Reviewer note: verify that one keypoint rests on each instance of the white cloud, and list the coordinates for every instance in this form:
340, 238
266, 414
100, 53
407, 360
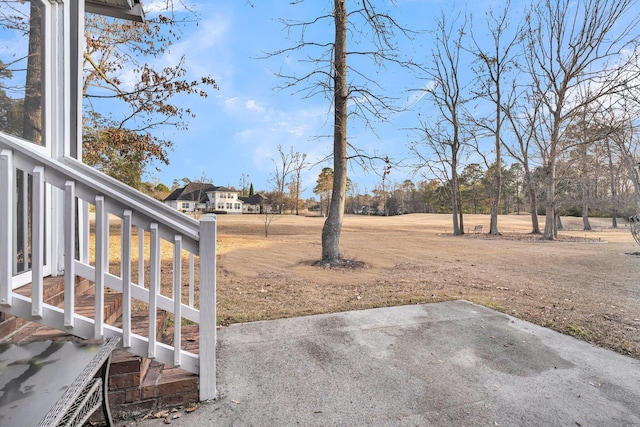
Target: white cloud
297, 130
416, 96
153, 6
230, 103
245, 135
252, 105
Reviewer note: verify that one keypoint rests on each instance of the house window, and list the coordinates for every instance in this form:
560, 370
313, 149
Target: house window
229, 206
220, 205
185, 205
237, 205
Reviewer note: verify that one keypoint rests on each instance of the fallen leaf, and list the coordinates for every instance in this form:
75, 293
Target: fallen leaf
191, 409
237, 402
178, 415
161, 414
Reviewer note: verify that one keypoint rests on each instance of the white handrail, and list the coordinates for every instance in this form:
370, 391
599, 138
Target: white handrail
90, 182
113, 199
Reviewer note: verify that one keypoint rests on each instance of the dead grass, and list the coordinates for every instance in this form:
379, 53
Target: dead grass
585, 284
166, 256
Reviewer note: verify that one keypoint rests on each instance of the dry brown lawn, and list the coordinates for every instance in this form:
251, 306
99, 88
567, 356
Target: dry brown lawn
586, 284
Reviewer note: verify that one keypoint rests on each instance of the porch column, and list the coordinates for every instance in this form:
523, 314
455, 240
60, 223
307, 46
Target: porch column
6, 225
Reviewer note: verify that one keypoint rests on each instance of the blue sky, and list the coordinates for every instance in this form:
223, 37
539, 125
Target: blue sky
237, 128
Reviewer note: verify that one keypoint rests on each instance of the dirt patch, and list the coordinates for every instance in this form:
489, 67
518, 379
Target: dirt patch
584, 284
346, 264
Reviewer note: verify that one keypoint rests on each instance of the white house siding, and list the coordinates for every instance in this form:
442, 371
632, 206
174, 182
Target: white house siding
226, 201
250, 209
185, 205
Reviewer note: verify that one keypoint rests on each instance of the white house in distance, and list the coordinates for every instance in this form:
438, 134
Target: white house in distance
255, 204
222, 199
204, 197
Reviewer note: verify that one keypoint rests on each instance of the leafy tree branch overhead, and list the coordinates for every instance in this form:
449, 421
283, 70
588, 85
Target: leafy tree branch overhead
123, 68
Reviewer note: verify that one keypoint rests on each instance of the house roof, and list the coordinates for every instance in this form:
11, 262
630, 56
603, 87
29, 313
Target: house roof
256, 199
123, 9
222, 189
194, 191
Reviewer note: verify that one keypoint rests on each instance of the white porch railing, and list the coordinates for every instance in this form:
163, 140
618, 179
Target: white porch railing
166, 240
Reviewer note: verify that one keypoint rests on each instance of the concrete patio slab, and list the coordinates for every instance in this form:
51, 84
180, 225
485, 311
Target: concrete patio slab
444, 364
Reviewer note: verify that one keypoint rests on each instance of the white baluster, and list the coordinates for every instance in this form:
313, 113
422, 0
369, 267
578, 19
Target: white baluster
102, 264
177, 298
141, 257
154, 286
37, 242
125, 262
69, 251
191, 279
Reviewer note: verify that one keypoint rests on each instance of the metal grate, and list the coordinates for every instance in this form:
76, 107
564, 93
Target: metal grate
84, 395
81, 409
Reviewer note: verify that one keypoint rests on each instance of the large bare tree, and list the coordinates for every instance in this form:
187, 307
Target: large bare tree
284, 167
572, 44
354, 92
299, 163
522, 118
444, 135
495, 65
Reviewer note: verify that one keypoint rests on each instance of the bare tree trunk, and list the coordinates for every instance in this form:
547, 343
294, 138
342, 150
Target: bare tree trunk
584, 173
32, 120
495, 202
585, 209
333, 224
460, 214
550, 231
454, 202
549, 223
558, 221
586, 225
612, 184
497, 177
533, 201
